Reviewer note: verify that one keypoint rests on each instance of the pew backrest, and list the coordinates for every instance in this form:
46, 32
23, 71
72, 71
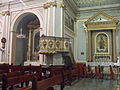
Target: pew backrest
46, 83
6, 81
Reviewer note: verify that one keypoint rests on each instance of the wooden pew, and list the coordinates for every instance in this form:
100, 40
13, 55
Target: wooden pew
85, 70
17, 68
4, 68
69, 75
10, 82
74, 74
80, 67
66, 77
46, 83
32, 69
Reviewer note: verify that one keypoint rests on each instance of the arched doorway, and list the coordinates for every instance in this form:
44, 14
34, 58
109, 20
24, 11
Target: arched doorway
26, 38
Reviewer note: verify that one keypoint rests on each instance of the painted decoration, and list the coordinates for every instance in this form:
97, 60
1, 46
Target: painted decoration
101, 43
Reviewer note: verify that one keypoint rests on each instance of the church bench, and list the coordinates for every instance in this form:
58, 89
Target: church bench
80, 68
56, 71
66, 73
66, 77
13, 68
11, 74
25, 88
46, 83
4, 68
10, 82
74, 73
32, 69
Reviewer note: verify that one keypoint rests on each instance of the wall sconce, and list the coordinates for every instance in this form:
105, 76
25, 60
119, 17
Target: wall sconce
3, 40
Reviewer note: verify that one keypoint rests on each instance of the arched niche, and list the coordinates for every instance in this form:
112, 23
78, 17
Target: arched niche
28, 25
101, 38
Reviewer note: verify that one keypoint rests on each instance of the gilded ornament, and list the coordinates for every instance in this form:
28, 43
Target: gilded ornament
66, 44
58, 44
63, 6
50, 44
49, 4
5, 13
44, 44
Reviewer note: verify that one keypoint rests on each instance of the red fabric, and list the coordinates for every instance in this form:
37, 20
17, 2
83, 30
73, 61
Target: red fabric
111, 73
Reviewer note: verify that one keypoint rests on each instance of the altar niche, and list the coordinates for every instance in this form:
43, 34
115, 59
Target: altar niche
26, 39
101, 38
101, 45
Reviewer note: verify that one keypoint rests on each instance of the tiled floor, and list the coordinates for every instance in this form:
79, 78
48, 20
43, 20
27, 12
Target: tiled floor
94, 84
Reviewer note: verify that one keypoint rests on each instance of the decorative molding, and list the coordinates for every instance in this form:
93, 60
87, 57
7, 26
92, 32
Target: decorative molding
100, 21
93, 22
62, 5
70, 4
96, 8
49, 4
5, 13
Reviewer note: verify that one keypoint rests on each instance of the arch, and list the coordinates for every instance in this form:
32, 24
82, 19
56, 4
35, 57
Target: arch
22, 14
15, 22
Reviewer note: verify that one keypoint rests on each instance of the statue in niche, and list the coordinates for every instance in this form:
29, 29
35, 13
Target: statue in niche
101, 43
36, 42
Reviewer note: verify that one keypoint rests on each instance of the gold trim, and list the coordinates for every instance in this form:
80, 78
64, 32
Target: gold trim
5, 13
100, 13
62, 5
49, 4
107, 42
92, 25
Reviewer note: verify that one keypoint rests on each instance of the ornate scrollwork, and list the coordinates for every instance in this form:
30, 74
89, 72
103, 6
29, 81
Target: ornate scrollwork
63, 6
50, 44
44, 44
49, 4
5, 13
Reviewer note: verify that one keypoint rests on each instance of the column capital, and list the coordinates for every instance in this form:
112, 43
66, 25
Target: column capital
5, 13
49, 4
62, 5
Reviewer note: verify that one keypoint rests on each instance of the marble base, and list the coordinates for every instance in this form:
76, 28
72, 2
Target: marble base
35, 63
100, 63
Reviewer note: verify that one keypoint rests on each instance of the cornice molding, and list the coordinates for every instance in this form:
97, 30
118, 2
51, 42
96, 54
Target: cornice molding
72, 5
104, 7
111, 23
12, 2
62, 5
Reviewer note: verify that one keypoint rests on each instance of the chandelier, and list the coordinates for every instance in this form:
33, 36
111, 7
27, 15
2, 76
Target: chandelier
21, 35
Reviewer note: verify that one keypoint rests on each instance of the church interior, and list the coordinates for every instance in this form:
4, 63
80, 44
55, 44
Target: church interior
60, 45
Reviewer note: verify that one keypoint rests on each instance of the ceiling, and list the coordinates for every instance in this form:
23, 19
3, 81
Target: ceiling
93, 3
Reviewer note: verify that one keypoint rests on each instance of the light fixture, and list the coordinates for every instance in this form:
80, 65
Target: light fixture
21, 35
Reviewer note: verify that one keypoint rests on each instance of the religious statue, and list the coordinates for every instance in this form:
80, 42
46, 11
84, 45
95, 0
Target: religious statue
101, 43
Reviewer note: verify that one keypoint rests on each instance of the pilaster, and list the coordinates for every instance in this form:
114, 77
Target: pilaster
54, 18
5, 33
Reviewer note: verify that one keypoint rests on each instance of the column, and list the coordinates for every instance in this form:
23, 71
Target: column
30, 43
89, 46
114, 46
59, 19
54, 18
5, 33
